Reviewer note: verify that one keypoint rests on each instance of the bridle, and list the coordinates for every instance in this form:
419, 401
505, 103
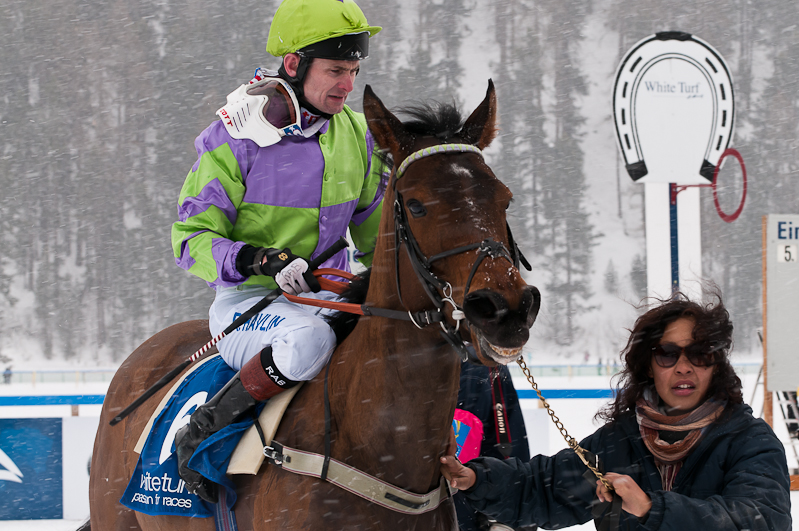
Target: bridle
439, 291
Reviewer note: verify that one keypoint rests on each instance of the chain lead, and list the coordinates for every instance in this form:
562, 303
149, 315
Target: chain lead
579, 450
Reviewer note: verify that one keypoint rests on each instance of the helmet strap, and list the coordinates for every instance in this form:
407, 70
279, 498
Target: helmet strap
296, 81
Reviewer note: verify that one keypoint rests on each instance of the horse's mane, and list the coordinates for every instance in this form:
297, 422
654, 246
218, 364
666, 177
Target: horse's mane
343, 323
442, 120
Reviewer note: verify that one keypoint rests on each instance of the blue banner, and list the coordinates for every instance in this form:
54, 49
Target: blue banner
30, 469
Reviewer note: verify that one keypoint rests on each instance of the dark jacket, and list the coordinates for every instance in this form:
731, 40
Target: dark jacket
474, 396
736, 478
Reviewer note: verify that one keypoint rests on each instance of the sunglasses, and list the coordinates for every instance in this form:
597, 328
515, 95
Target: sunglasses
667, 354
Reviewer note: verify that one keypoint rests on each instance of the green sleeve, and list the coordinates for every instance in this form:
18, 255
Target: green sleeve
366, 221
207, 209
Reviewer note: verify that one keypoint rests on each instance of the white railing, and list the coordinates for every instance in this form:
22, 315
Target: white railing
81, 376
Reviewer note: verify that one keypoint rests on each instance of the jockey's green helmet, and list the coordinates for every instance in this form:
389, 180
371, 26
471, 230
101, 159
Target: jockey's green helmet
330, 29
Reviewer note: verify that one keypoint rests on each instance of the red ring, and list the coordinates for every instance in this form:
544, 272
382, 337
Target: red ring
729, 218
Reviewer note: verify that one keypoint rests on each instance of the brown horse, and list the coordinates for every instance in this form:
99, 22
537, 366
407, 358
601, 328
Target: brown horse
392, 386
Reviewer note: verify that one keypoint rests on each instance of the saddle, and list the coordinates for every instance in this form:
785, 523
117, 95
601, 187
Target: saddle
240, 448
248, 456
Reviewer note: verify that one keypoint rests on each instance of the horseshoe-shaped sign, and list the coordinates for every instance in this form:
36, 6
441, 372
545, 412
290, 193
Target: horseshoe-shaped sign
674, 109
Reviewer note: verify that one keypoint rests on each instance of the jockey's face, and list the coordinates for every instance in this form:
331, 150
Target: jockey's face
327, 82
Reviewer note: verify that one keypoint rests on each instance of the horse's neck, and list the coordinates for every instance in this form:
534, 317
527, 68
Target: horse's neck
403, 382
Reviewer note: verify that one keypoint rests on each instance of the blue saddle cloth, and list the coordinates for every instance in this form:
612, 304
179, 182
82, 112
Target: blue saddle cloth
156, 487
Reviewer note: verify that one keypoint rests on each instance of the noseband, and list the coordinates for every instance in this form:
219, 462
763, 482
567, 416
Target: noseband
421, 264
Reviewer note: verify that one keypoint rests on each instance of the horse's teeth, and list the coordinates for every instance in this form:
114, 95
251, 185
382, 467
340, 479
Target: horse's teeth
507, 352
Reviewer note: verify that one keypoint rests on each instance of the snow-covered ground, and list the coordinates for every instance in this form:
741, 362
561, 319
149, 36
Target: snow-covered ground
576, 415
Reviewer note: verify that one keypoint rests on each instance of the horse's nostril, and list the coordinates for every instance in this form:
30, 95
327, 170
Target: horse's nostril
485, 306
531, 303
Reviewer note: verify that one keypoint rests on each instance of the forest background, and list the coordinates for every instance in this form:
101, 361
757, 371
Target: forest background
100, 103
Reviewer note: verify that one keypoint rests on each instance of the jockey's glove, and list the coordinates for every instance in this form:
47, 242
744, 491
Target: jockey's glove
289, 270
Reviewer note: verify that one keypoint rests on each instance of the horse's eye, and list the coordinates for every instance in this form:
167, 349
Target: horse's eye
416, 208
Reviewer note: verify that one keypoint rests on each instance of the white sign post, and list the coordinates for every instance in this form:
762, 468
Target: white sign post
674, 113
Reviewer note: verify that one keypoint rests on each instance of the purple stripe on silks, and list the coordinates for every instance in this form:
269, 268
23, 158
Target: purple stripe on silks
214, 136
288, 174
185, 261
225, 252
212, 194
363, 215
333, 221
297, 160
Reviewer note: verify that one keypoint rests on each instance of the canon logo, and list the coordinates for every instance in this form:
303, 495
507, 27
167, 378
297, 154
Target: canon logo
500, 418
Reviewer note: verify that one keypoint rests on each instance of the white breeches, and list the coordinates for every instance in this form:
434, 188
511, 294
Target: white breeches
302, 342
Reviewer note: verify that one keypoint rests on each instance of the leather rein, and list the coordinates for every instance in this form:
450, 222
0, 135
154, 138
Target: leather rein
438, 291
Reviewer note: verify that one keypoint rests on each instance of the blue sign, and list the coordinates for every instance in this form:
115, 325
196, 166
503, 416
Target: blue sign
30, 469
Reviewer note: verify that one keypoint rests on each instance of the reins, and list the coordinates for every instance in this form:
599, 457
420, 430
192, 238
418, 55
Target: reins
589, 459
438, 291
424, 316
421, 265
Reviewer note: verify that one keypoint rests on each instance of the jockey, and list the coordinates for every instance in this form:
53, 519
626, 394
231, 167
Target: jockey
281, 177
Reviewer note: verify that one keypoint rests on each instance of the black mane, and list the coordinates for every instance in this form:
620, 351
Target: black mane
442, 120
343, 323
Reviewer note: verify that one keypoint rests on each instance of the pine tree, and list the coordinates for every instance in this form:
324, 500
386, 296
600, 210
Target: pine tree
611, 279
638, 276
568, 236
433, 72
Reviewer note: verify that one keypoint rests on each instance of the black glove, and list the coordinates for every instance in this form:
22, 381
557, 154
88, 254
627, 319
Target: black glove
295, 280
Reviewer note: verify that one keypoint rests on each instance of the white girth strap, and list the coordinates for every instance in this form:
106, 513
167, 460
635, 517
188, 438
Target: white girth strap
359, 483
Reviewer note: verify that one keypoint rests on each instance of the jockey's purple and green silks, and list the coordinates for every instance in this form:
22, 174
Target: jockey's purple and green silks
300, 193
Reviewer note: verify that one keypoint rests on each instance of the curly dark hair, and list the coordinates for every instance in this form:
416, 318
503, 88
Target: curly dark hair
712, 325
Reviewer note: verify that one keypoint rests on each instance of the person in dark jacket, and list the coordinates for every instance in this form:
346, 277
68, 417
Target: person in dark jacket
482, 391
681, 449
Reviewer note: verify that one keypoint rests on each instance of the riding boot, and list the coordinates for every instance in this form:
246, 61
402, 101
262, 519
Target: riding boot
225, 408
257, 381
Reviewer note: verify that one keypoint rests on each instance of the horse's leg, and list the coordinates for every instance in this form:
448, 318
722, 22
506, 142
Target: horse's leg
107, 483
113, 453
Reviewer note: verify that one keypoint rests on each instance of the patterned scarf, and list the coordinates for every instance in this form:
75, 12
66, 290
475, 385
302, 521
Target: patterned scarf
670, 456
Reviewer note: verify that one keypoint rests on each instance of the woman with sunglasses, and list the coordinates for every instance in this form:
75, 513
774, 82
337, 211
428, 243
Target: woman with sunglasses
680, 448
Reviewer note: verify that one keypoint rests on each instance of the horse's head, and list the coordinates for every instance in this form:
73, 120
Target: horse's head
449, 216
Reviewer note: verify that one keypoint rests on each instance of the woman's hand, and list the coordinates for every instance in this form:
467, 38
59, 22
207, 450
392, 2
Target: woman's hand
460, 477
634, 500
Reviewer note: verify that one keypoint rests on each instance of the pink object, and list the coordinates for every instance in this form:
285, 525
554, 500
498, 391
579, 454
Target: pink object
468, 435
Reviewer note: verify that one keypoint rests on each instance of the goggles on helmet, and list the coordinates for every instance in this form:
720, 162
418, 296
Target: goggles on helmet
264, 111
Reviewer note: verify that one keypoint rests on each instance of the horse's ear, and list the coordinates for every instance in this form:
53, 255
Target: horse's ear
481, 127
387, 129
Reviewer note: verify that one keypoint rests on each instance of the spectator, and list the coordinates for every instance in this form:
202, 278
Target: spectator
483, 391
680, 447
